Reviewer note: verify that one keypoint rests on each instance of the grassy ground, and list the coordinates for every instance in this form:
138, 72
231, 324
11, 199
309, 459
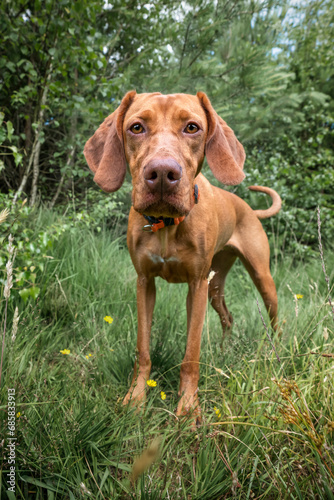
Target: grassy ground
271, 438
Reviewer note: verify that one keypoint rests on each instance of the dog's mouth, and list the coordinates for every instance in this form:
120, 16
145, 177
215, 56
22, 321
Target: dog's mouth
166, 206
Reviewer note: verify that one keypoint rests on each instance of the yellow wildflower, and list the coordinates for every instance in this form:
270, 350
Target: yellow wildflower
217, 412
65, 351
108, 319
299, 296
163, 395
151, 383
87, 357
90, 354
18, 414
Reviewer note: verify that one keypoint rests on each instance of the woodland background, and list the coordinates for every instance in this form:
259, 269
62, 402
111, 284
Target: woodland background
266, 65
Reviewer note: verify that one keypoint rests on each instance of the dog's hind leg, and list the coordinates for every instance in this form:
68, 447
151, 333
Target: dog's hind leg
221, 264
254, 253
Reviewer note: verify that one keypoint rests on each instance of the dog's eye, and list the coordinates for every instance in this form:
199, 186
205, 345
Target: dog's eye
191, 128
137, 128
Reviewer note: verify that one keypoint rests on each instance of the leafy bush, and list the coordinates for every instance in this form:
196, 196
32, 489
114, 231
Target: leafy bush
97, 209
300, 169
34, 238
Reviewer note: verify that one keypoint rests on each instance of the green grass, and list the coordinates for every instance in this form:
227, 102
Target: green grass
73, 428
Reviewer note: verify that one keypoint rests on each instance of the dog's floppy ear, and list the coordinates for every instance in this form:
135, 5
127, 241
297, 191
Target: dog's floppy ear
224, 153
104, 151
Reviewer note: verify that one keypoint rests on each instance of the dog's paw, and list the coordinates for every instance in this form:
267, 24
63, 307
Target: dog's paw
189, 408
136, 396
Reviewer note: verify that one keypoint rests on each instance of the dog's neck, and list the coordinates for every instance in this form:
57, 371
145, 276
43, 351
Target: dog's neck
156, 223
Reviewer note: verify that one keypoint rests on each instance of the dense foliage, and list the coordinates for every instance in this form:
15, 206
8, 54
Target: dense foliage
265, 65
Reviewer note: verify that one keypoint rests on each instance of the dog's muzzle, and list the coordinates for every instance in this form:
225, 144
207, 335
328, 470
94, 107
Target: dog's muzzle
162, 175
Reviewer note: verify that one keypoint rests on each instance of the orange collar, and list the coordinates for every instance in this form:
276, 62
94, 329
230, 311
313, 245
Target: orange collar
158, 223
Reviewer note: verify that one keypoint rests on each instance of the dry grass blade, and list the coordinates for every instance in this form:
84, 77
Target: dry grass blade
323, 262
91, 473
145, 460
3, 215
323, 354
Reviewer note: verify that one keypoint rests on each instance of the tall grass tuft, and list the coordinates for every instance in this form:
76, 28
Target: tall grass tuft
8, 285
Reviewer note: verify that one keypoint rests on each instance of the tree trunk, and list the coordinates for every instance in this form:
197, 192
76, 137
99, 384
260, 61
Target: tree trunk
36, 148
26, 173
38, 133
71, 153
69, 161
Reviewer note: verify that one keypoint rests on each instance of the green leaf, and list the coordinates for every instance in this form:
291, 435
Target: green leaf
78, 98
10, 130
18, 158
11, 66
34, 292
24, 294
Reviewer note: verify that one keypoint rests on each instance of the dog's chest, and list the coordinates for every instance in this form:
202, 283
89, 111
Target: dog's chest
171, 268
172, 253
175, 262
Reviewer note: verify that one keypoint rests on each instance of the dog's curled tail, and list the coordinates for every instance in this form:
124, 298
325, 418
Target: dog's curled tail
275, 207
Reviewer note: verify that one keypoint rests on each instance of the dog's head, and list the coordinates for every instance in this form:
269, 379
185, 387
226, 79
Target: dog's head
164, 139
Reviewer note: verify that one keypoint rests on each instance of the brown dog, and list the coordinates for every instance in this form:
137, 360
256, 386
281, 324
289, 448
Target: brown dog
190, 227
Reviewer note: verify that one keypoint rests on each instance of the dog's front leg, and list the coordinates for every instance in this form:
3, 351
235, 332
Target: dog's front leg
189, 376
142, 368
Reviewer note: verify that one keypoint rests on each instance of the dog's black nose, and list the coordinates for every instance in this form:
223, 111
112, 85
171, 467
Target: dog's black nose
162, 174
